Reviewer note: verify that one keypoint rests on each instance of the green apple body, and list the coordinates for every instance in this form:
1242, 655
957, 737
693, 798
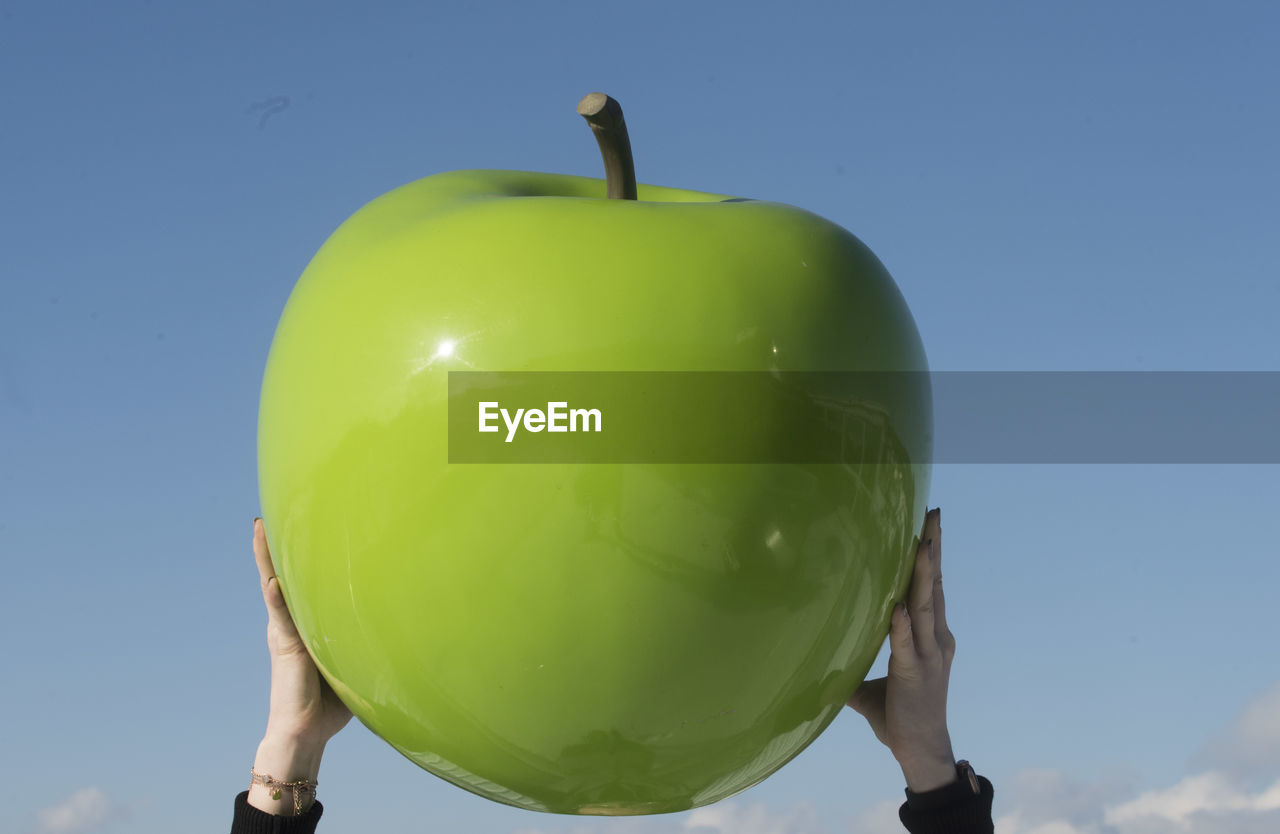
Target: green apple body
581, 638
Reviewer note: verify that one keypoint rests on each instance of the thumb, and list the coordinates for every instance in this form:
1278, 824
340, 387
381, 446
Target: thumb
868, 699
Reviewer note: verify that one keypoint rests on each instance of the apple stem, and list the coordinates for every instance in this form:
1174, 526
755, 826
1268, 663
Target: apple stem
604, 114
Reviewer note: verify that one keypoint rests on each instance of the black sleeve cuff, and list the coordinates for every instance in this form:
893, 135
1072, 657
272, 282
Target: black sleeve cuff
951, 809
251, 820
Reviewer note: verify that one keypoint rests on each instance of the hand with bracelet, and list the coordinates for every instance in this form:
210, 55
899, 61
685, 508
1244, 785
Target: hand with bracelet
305, 713
907, 709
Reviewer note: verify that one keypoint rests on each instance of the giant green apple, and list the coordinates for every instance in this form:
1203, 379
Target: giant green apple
581, 638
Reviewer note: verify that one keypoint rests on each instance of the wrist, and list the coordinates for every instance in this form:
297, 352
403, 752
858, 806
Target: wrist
930, 774
295, 757
285, 758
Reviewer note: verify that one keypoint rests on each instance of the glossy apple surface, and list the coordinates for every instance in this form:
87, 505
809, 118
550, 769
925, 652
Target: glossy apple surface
585, 638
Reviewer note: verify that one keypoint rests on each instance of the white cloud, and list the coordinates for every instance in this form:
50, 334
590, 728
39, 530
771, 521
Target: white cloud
1248, 749
79, 813
1059, 827
1013, 824
1206, 793
879, 818
730, 818
1043, 797
1048, 802
1234, 790
1043, 801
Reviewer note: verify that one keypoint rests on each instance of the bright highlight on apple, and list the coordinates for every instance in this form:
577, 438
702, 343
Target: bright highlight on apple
535, 419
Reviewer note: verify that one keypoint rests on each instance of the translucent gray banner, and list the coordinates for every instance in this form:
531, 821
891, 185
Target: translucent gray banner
866, 417
1107, 417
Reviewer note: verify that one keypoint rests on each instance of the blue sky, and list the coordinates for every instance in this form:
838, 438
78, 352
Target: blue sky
1088, 186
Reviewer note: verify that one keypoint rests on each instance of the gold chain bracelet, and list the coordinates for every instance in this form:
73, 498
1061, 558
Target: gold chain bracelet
300, 787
